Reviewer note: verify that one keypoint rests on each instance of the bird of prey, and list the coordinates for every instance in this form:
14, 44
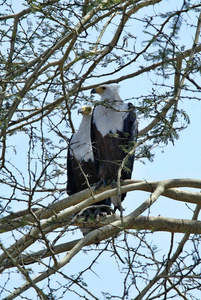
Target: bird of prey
80, 165
114, 131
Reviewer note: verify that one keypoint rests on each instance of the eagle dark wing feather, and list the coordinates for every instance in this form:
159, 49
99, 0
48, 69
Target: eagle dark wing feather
130, 130
77, 172
130, 123
71, 183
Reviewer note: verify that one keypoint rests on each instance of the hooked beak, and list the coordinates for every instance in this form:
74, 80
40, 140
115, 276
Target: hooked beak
80, 110
93, 91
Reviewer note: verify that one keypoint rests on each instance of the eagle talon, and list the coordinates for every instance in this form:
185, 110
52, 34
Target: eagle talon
95, 211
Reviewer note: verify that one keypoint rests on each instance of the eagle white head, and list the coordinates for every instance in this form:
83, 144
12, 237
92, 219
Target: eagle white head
108, 92
85, 110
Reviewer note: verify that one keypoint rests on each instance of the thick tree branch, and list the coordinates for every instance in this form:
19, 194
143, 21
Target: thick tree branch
153, 224
84, 198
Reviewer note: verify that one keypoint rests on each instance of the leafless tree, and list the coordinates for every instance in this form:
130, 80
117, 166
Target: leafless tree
52, 54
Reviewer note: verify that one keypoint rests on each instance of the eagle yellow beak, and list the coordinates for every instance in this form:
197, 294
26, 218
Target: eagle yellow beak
85, 110
98, 90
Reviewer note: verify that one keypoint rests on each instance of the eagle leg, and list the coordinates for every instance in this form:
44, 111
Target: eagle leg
119, 207
105, 182
98, 184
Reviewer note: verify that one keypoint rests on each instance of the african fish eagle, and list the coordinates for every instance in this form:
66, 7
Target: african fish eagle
80, 163
114, 130
80, 160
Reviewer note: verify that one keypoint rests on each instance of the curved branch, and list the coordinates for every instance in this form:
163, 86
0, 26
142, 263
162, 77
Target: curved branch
153, 224
171, 191
170, 262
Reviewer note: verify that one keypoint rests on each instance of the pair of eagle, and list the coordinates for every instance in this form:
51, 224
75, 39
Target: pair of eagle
106, 134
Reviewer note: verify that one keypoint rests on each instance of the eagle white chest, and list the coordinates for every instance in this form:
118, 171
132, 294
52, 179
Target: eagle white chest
110, 120
80, 145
